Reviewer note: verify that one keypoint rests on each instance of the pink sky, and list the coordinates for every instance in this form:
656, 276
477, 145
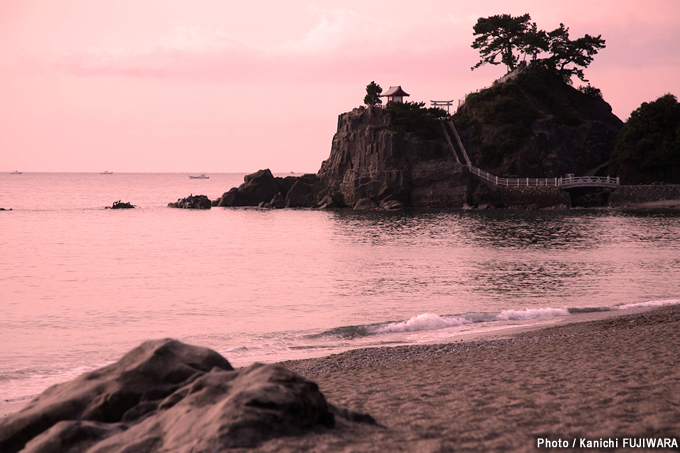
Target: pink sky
226, 86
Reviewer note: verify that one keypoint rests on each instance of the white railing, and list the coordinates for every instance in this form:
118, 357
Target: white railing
589, 181
515, 182
563, 183
567, 182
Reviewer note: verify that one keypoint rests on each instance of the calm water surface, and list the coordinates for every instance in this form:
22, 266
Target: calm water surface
81, 285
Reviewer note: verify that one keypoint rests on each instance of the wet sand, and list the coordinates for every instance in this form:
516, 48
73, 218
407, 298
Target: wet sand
614, 375
652, 206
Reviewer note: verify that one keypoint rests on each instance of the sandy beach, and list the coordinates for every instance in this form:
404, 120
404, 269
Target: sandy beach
615, 375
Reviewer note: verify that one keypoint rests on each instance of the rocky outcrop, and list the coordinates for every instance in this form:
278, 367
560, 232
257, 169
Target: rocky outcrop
265, 190
168, 396
120, 205
537, 126
370, 160
192, 202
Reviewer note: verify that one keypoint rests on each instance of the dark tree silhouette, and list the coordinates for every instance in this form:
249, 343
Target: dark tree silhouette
648, 147
500, 36
373, 91
510, 38
566, 52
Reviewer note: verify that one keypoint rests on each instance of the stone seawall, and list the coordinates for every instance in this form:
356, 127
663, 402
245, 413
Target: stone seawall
642, 194
542, 197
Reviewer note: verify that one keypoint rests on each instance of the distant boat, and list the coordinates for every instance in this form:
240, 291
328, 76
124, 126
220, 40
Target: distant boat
106, 173
203, 176
15, 172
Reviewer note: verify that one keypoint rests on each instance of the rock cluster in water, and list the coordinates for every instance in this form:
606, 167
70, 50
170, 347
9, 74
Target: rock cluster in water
168, 396
192, 202
120, 205
265, 190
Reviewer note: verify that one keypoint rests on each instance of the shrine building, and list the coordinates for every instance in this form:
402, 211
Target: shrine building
395, 94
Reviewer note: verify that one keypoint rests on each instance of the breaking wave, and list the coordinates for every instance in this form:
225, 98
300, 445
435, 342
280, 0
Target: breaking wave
426, 321
432, 321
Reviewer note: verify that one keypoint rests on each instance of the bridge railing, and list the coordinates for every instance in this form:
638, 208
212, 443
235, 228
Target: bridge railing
563, 183
589, 181
515, 182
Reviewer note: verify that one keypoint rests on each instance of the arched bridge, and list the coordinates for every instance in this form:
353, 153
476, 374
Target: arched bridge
567, 182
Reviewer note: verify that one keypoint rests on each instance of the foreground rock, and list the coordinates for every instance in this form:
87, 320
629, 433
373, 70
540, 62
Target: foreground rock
192, 202
168, 396
120, 205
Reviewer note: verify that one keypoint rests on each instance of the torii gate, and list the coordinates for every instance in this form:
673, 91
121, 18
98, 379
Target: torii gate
442, 104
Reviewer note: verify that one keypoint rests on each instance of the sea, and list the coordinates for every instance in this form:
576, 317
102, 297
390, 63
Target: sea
80, 285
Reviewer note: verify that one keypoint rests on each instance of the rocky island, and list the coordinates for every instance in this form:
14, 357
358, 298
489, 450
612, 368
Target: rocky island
403, 155
529, 124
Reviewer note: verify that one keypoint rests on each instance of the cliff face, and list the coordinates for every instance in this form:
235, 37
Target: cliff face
538, 126
368, 160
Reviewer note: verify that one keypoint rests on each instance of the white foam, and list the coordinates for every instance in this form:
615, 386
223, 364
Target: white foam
426, 321
531, 313
649, 303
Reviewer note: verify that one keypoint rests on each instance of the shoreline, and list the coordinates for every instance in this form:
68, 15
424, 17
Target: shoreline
470, 343
608, 377
467, 342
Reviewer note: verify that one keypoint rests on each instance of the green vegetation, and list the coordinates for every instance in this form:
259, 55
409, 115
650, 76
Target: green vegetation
648, 147
513, 107
510, 38
503, 105
373, 91
591, 91
414, 117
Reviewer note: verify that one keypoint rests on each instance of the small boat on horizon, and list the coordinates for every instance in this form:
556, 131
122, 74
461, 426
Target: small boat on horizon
15, 172
201, 176
106, 173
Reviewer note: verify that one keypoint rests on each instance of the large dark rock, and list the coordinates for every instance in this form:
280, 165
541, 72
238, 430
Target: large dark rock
168, 396
192, 202
370, 160
306, 191
257, 187
264, 189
